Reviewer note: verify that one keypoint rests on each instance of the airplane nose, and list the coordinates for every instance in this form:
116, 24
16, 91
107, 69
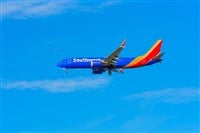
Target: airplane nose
60, 64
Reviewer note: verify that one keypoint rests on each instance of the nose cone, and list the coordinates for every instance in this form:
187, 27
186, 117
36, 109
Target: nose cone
61, 64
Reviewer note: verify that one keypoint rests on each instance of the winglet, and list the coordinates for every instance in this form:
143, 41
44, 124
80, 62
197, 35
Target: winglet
123, 43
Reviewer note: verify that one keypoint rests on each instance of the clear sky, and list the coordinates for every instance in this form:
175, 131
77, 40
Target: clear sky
37, 96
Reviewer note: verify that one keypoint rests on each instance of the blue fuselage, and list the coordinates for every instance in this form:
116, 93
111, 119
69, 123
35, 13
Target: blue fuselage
90, 62
95, 62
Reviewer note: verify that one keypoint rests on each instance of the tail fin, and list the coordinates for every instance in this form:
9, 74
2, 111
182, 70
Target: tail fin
154, 51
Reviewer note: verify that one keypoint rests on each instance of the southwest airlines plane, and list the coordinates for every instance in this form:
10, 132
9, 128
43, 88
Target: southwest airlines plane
113, 63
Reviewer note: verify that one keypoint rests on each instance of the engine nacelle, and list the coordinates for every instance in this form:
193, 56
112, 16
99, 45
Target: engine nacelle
97, 71
97, 67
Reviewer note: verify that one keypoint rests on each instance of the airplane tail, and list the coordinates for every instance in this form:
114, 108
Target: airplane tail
153, 54
154, 51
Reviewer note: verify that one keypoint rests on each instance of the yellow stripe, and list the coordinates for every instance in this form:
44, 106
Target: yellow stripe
135, 61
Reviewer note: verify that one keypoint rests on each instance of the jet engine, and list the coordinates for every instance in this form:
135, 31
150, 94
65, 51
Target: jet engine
97, 70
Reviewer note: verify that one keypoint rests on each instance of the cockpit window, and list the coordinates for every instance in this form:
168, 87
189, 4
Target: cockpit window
69, 61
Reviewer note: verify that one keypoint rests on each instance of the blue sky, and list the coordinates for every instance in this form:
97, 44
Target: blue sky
37, 96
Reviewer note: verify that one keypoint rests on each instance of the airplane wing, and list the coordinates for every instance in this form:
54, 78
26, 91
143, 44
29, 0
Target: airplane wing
111, 59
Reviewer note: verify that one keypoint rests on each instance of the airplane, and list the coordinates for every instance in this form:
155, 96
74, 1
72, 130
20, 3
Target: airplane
114, 63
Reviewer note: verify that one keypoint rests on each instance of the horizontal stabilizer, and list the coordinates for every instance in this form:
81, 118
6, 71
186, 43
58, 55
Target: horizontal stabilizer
159, 56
